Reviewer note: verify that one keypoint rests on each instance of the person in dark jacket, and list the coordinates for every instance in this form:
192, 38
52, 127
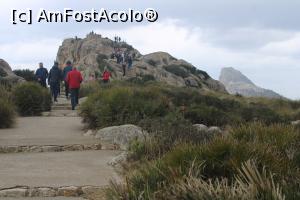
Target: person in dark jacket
130, 62
124, 68
74, 80
54, 79
41, 75
66, 70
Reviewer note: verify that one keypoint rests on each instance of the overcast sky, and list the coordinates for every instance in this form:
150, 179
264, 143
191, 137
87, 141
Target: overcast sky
259, 38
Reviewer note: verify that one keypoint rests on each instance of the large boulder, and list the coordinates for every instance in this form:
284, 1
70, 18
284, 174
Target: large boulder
201, 127
120, 135
93, 53
7, 75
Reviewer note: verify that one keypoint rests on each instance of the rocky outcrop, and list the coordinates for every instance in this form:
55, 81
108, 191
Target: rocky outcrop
7, 75
237, 83
93, 53
120, 135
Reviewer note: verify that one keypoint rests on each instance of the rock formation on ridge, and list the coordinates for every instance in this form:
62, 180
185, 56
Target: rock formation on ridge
93, 53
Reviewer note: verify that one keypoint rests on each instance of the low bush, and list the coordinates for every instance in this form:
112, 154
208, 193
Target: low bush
142, 79
191, 104
151, 62
122, 105
89, 88
177, 70
7, 114
7, 110
27, 74
221, 167
249, 184
164, 135
206, 115
31, 99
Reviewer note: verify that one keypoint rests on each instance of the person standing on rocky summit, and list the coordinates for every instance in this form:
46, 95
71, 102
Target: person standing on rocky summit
66, 70
74, 79
41, 75
54, 79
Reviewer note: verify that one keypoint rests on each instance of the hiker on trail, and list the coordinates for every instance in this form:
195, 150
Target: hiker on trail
119, 58
124, 68
66, 70
106, 75
129, 62
54, 79
41, 75
74, 79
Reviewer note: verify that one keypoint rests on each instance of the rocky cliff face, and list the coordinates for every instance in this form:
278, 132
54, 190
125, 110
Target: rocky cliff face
6, 74
237, 83
93, 53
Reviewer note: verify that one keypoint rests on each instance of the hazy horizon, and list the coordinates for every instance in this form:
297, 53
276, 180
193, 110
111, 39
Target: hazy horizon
260, 39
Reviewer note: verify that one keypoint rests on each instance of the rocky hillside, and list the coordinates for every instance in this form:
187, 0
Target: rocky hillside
237, 83
6, 74
93, 53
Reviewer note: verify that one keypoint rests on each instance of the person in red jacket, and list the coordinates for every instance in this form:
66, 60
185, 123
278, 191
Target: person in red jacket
74, 79
106, 76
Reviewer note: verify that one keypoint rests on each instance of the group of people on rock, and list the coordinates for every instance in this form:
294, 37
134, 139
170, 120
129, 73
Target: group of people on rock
71, 77
123, 58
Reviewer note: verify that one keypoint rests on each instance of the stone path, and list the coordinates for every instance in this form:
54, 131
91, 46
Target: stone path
48, 157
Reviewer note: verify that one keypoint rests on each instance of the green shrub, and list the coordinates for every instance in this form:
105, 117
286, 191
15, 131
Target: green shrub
257, 112
192, 170
47, 100
7, 111
202, 114
31, 99
280, 135
121, 105
250, 184
89, 88
194, 105
142, 79
177, 70
196, 71
164, 135
151, 62
7, 114
27, 74
101, 60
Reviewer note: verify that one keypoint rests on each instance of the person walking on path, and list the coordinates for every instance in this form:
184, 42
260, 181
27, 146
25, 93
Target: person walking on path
124, 68
54, 79
74, 79
41, 75
106, 76
66, 70
129, 62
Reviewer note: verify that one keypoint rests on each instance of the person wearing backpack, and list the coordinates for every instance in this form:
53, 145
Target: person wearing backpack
54, 79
